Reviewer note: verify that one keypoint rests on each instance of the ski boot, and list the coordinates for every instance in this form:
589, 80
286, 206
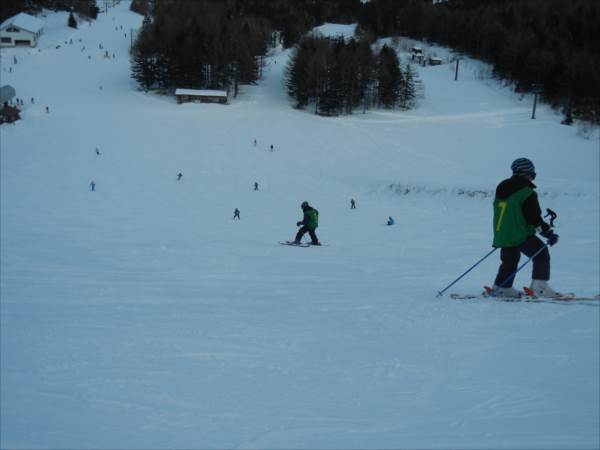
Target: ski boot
541, 289
506, 292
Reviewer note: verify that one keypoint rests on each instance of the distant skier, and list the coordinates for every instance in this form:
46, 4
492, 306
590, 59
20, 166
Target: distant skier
236, 214
552, 215
352, 204
309, 224
517, 218
255, 142
97, 151
179, 176
390, 221
93, 185
255, 186
271, 147
47, 110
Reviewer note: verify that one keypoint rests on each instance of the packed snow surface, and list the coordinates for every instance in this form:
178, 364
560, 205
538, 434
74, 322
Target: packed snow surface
140, 315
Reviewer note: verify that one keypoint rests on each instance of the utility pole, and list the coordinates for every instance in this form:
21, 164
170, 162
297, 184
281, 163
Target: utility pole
537, 88
456, 71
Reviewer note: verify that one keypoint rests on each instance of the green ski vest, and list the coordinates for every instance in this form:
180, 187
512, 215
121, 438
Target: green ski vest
510, 227
313, 223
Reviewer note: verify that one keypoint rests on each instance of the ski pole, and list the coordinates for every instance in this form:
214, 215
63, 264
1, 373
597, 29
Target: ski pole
512, 275
440, 293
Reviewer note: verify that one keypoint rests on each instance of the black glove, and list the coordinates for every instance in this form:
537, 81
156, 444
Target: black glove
551, 236
298, 224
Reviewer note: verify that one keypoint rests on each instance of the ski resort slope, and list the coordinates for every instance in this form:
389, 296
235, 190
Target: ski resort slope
141, 315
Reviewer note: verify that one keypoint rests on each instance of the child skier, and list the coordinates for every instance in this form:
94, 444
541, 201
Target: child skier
309, 223
517, 218
552, 215
236, 214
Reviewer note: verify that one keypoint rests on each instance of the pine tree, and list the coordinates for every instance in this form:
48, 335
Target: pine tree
408, 92
389, 77
72, 22
568, 112
143, 59
297, 77
333, 86
143, 69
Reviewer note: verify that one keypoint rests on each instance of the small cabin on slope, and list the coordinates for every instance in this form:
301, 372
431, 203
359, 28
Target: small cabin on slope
9, 114
21, 29
416, 53
201, 96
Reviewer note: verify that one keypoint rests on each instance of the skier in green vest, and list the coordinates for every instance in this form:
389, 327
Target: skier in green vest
309, 224
517, 218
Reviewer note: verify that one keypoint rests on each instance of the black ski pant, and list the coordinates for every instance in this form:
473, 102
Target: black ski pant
302, 231
510, 261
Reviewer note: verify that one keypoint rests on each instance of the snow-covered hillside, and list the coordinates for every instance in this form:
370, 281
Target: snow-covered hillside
141, 315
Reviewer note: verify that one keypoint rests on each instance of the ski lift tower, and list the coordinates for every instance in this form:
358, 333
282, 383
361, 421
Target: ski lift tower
537, 90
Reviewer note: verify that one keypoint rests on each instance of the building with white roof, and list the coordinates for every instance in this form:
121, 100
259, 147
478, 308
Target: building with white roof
201, 95
21, 29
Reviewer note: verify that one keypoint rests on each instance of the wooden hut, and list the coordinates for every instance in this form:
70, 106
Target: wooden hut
9, 114
201, 96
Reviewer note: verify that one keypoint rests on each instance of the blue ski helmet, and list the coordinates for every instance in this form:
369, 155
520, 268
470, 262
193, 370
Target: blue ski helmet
523, 167
304, 205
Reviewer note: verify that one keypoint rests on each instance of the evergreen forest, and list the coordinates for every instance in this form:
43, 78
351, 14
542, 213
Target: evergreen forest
551, 46
85, 8
339, 76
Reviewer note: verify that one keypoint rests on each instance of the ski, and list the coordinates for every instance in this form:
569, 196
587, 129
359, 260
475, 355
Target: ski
488, 295
527, 295
295, 244
302, 244
562, 297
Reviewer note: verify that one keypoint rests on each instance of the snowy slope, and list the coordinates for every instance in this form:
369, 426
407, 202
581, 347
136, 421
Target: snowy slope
141, 316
